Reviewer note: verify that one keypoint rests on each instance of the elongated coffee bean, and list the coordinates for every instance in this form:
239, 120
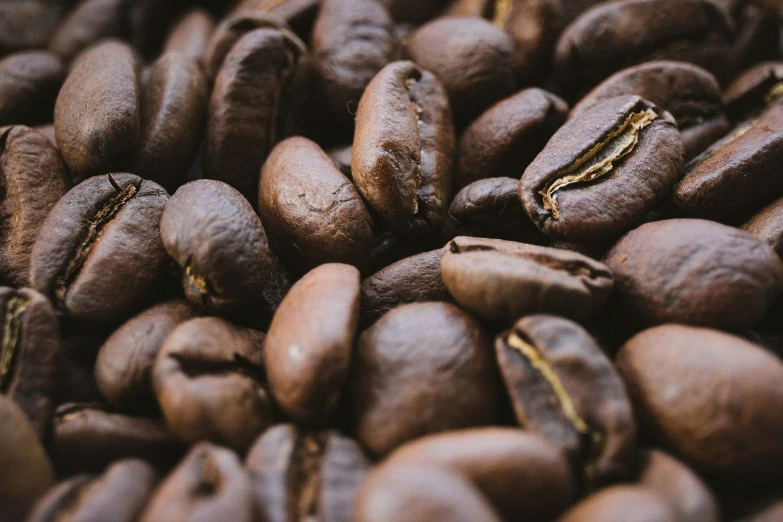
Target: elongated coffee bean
29, 83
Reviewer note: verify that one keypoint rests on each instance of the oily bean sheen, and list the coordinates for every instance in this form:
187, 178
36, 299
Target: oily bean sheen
716, 376
695, 272
627, 503
767, 225
99, 252
96, 117
563, 386
308, 347
603, 171
526, 477
509, 135
403, 150
313, 213
422, 368
754, 90
209, 484
213, 233
503, 280
691, 94
303, 475
29, 354
33, 177
29, 82
190, 34
119, 494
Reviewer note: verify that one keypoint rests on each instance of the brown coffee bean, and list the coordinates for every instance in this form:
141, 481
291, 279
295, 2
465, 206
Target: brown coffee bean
18, 33
299, 475
254, 95
694, 272
29, 82
767, 225
99, 252
472, 57
89, 22
209, 484
313, 213
691, 94
603, 171
507, 136
33, 178
27, 472
308, 347
299, 14
756, 32
503, 280
403, 151
120, 495
191, 34
627, 503
522, 474
124, 364
563, 386
689, 386
210, 383
755, 89
422, 368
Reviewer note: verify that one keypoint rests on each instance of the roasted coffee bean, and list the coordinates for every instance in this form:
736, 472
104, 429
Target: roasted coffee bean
28, 24
210, 383
308, 347
503, 280
29, 82
522, 474
422, 368
27, 472
756, 32
300, 475
29, 354
675, 482
695, 272
124, 365
767, 225
627, 503
472, 57
716, 376
313, 213
120, 495
691, 94
190, 34
89, 22
33, 177
754, 90
209, 484
299, 14
99, 252
491, 208
403, 151
88, 438
412, 492
603, 171
509, 135
255, 93
212, 232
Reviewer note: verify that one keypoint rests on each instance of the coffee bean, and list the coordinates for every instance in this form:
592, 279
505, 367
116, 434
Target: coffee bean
29, 82
754, 90
299, 14
767, 225
603, 171
18, 33
756, 32
190, 34
628, 503
89, 22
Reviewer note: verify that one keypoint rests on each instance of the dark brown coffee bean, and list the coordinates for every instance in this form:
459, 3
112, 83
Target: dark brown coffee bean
120, 495
503, 280
124, 364
717, 183
33, 178
403, 152
767, 225
29, 82
255, 94
29, 354
313, 213
301, 475
472, 57
627, 503
523, 475
89, 22
754, 90
691, 94
422, 368
563, 386
99, 252
190, 34
210, 383
507, 136
27, 472
96, 117
756, 32
603, 171
298, 14
308, 347
689, 386
694, 272
28, 24
209, 484
490, 207
675, 482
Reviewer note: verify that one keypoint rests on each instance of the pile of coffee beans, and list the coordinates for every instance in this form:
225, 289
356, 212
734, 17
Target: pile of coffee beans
391, 260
